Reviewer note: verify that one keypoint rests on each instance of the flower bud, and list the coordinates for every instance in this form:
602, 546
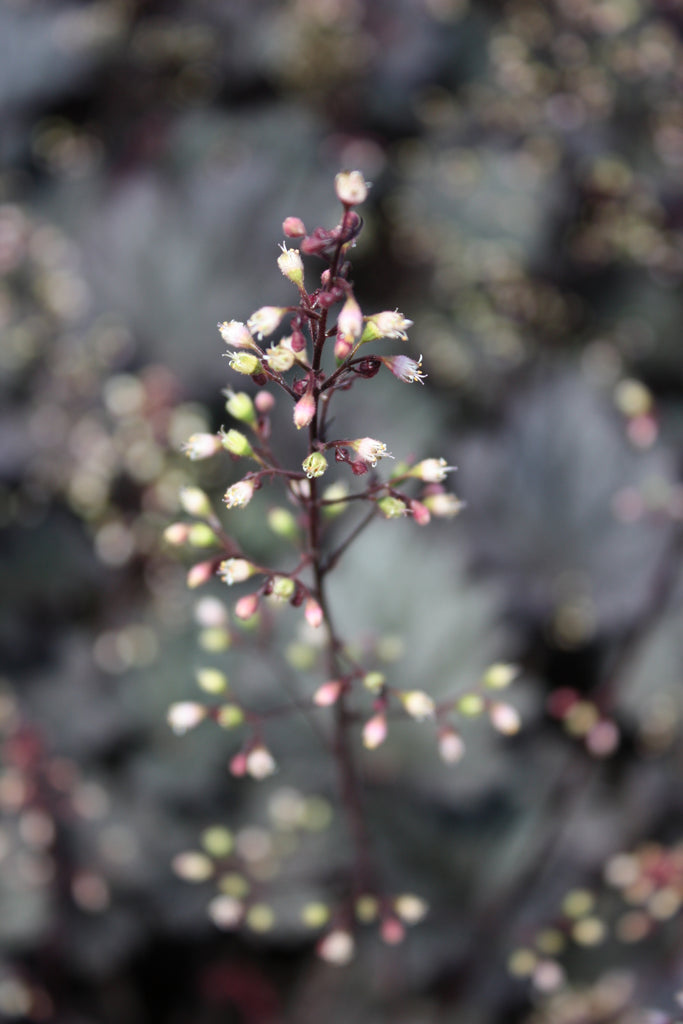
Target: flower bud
418, 704
201, 536
392, 931
240, 494
241, 407
236, 443
499, 676
195, 502
236, 334
247, 606
421, 514
293, 227
386, 324
264, 402
343, 347
211, 680
245, 362
351, 188
229, 716
283, 587
451, 746
504, 718
314, 465
337, 947
470, 705
283, 523
265, 320
280, 358
177, 534
260, 762
185, 715
313, 613
201, 446
238, 765
431, 471
350, 320
374, 681
225, 911
328, 693
443, 505
410, 908
375, 731
304, 410
392, 508
199, 574
291, 265
236, 570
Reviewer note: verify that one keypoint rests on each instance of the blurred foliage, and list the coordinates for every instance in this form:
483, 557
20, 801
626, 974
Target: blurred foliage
527, 215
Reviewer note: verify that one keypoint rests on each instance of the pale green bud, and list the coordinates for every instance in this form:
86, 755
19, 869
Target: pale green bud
392, 508
236, 443
195, 502
201, 536
283, 587
283, 523
241, 407
245, 362
314, 465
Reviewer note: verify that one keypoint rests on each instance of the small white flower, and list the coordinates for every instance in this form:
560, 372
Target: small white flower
432, 471
260, 762
418, 704
388, 324
235, 333
405, 368
240, 494
504, 718
337, 947
235, 570
185, 715
201, 446
195, 502
351, 187
291, 265
265, 320
370, 450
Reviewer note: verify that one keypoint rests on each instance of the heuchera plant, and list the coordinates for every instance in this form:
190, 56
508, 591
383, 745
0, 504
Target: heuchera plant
313, 363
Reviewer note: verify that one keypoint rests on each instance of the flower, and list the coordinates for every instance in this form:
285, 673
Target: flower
375, 731
405, 368
201, 446
443, 505
386, 324
418, 704
370, 450
351, 187
313, 613
432, 471
291, 265
350, 321
246, 606
240, 494
235, 570
195, 502
451, 746
260, 762
337, 947
185, 715
236, 443
294, 227
244, 362
392, 508
328, 693
240, 405
314, 464
235, 333
265, 320
504, 718
304, 410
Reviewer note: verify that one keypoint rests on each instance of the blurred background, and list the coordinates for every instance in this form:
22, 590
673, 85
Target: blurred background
527, 214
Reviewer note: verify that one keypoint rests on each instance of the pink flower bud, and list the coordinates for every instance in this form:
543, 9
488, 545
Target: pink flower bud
264, 401
350, 320
421, 513
304, 410
293, 227
392, 931
313, 613
247, 606
375, 731
177, 533
199, 574
328, 693
343, 347
238, 765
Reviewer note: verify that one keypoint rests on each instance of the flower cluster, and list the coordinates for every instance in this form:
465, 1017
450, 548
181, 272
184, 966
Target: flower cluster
311, 361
